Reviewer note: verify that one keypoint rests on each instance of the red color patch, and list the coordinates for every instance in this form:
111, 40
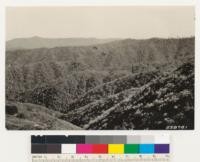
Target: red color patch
100, 148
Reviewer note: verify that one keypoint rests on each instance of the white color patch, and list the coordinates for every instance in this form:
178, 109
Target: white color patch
68, 149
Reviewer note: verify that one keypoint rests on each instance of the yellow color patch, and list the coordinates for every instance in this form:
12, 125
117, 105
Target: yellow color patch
116, 148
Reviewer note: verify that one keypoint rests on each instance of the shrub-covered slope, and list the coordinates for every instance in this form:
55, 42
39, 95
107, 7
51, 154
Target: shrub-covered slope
167, 100
57, 77
113, 87
126, 84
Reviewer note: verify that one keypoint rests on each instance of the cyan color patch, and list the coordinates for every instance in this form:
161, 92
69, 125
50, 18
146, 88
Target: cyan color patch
146, 148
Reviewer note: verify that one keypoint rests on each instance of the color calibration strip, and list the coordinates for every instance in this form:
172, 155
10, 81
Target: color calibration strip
100, 144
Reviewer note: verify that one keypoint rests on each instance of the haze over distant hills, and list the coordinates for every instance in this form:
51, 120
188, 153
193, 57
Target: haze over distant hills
40, 42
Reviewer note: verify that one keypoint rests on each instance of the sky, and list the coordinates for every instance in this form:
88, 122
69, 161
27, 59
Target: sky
138, 22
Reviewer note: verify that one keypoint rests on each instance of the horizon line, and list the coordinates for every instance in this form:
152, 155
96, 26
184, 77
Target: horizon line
120, 38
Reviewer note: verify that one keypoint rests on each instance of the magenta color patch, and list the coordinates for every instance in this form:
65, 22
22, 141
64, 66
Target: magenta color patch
83, 148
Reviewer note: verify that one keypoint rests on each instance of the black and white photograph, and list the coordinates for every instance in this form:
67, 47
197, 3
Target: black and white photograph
100, 67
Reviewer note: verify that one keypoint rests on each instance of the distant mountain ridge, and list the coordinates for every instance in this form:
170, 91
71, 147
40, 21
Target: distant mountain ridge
40, 42
112, 54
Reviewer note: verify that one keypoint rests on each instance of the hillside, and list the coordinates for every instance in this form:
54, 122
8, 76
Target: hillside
72, 71
25, 116
96, 80
39, 42
166, 100
113, 87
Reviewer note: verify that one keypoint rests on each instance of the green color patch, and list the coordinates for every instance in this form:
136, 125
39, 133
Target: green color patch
131, 148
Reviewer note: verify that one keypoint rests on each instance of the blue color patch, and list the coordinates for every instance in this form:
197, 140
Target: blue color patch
146, 148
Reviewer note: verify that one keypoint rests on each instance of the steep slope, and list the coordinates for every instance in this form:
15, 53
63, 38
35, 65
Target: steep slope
166, 102
70, 72
113, 87
25, 116
39, 42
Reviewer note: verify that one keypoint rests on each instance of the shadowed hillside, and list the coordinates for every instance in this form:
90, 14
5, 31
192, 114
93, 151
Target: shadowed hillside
26, 116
